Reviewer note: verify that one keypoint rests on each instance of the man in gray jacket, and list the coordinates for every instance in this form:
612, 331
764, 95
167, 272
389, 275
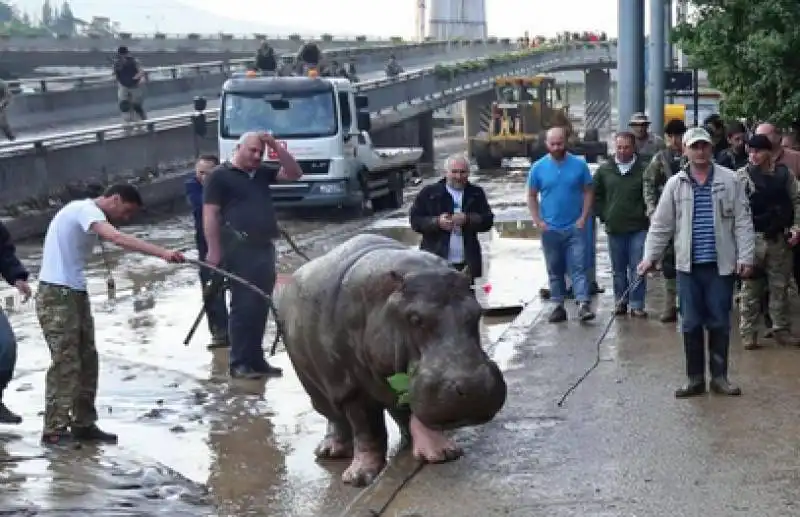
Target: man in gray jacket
705, 210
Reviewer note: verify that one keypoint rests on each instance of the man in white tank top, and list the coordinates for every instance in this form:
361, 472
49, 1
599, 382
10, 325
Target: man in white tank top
64, 313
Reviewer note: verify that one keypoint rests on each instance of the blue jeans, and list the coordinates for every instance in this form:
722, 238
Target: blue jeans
249, 310
565, 250
8, 352
705, 299
626, 251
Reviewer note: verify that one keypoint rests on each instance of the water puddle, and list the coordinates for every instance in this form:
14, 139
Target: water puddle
241, 448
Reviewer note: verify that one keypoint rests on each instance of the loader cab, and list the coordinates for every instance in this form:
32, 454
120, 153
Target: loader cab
524, 105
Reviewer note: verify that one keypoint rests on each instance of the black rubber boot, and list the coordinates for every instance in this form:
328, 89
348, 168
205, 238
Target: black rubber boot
718, 348
694, 349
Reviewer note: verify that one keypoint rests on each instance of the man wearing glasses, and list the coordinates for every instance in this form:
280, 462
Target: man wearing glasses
450, 214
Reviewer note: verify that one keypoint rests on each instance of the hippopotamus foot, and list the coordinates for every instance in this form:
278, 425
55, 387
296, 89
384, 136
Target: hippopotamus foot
366, 465
337, 444
432, 446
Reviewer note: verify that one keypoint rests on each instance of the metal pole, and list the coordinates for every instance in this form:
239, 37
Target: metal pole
626, 57
640, 48
657, 68
668, 47
696, 96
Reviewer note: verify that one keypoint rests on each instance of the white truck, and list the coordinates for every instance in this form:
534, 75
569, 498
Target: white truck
326, 127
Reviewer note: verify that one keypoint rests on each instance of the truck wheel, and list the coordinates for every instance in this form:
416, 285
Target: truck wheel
394, 199
485, 161
367, 205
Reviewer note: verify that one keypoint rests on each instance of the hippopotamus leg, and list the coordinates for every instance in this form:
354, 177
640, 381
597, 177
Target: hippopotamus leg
338, 441
370, 441
432, 446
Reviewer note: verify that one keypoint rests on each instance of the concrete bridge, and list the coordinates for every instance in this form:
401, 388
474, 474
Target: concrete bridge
19, 57
81, 100
401, 109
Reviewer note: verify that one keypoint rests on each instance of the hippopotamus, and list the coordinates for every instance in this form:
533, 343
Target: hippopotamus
371, 308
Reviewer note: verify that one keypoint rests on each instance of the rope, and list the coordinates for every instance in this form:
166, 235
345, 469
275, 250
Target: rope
599, 341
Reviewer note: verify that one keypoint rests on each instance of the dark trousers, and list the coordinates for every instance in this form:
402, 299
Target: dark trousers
706, 300
249, 311
214, 303
8, 353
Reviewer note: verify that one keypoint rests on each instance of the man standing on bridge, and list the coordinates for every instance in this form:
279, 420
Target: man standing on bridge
214, 303
5, 101
565, 184
704, 210
240, 223
64, 313
129, 76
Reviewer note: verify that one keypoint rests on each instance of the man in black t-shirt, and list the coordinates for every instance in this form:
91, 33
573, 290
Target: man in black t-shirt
240, 225
129, 77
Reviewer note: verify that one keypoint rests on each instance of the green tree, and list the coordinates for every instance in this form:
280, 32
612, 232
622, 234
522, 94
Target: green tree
751, 51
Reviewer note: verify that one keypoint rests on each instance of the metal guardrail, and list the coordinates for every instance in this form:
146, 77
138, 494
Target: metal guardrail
423, 89
178, 70
408, 89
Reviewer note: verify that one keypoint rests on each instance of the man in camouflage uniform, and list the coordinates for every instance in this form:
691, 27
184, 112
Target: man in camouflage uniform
775, 205
5, 101
65, 315
664, 165
647, 144
734, 156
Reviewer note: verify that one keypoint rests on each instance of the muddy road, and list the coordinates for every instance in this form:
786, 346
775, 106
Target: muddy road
191, 441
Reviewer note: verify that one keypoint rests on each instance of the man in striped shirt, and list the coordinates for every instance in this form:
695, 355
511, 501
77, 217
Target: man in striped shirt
705, 209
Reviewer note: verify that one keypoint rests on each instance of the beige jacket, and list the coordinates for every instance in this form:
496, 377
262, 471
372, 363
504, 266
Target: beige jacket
733, 222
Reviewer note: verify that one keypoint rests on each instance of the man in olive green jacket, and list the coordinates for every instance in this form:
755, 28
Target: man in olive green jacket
619, 204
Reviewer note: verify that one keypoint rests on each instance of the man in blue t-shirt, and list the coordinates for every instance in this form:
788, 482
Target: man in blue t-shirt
564, 183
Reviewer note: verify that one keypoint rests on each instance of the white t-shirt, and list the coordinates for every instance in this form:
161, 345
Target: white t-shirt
69, 243
456, 253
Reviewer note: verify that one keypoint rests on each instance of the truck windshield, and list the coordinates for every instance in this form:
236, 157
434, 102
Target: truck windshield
297, 114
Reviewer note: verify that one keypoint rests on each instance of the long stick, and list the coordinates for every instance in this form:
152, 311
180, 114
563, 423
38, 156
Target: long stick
209, 291
230, 276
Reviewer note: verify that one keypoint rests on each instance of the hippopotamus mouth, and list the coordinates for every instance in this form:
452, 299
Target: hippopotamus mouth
452, 399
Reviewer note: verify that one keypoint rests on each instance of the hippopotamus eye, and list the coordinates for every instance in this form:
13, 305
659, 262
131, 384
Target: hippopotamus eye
415, 319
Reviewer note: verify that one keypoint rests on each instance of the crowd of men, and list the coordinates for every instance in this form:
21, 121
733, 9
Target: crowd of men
716, 208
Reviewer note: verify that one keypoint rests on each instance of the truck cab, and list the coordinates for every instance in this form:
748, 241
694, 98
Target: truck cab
317, 119
324, 125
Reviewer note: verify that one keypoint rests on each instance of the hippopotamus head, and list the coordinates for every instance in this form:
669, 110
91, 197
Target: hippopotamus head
434, 317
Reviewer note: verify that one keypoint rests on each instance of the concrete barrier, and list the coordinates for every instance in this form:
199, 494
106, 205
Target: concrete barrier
98, 100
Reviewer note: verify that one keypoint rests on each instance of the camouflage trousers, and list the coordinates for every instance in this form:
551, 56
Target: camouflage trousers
670, 276
71, 382
773, 267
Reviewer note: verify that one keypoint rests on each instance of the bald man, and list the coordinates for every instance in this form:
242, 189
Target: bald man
560, 199
240, 224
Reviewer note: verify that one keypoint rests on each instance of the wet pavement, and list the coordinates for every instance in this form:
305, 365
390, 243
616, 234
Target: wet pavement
194, 443
191, 441
621, 445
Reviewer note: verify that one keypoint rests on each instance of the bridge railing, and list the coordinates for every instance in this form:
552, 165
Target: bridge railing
36, 167
55, 83
393, 94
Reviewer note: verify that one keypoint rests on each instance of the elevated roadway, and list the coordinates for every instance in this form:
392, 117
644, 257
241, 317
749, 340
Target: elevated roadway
85, 100
19, 57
